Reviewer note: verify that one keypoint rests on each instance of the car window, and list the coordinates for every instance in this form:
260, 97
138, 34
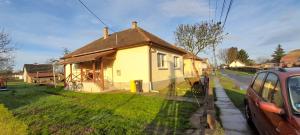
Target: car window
276, 97
258, 82
294, 91
269, 86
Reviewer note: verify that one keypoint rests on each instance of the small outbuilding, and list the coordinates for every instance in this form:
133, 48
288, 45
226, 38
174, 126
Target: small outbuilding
38, 73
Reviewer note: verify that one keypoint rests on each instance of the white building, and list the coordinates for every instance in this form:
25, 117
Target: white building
237, 63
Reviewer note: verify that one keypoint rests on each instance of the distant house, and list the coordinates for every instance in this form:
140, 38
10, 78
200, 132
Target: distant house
117, 59
37, 73
237, 63
18, 75
291, 59
268, 65
193, 65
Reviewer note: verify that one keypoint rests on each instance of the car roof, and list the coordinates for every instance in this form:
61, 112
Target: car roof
284, 71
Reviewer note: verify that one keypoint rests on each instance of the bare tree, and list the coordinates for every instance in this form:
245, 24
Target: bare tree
197, 37
6, 49
223, 55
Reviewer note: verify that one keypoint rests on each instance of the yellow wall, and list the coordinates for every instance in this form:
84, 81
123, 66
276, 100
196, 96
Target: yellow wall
161, 76
189, 69
131, 64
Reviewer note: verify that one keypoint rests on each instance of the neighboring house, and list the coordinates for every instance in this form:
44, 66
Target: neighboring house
115, 60
291, 59
268, 65
192, 65
18, 75
37, 73
237, 63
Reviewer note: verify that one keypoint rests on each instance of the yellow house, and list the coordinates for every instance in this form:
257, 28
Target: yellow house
116, 59
193, 65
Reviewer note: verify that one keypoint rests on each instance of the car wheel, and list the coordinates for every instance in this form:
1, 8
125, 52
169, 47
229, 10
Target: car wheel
248, 114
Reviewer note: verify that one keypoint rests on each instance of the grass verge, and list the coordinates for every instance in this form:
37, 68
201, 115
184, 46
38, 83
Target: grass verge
235, 94
238, 72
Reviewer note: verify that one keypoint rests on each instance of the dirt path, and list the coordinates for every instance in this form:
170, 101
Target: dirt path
232, 119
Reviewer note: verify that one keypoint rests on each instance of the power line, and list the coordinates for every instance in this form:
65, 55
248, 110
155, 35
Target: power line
216, 9
224, 2
229, 7
94, 15
208, 10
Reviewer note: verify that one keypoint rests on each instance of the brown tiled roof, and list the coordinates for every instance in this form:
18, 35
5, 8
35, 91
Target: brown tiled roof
88, 57
191, 56
41, 74
292, 56
33, 68
126, 38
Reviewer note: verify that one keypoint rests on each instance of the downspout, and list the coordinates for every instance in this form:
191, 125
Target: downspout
150, 69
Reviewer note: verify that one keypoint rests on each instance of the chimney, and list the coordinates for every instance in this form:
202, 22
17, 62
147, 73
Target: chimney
134, 25
105, 32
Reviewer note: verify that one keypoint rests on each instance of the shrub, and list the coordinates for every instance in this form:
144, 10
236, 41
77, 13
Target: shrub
9, 125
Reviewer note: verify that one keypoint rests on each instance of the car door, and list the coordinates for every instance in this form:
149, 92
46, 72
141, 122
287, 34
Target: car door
253, 98
269, 120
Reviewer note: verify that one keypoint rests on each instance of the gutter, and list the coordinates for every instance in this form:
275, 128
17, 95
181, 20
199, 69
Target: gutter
150, 68
103, 50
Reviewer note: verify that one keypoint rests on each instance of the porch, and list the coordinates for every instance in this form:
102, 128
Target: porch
89, 73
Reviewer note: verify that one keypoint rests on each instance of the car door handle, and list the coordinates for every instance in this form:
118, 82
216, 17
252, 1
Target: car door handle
277, 130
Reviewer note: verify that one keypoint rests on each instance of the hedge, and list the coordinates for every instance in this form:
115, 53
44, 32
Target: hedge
9, 125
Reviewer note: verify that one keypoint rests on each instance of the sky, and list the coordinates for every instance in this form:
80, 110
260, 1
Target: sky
40, 29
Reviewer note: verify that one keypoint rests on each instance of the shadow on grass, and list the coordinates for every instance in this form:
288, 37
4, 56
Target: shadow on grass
173, 116
20, 94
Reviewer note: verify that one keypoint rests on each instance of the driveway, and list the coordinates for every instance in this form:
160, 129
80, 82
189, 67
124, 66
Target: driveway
242, 80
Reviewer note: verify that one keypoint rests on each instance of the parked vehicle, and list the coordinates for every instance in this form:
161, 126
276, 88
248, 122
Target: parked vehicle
272, 102
3, 83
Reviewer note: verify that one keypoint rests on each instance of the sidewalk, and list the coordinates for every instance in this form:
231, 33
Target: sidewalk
232, 119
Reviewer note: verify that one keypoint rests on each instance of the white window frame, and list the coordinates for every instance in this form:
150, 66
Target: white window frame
161, 60
176, 62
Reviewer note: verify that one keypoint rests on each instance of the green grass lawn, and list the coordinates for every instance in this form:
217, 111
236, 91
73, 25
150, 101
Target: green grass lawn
239, 72
235, 94
55, 111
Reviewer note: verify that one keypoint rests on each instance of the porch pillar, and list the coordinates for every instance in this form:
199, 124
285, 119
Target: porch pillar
94, 73
65, 81
81, 73
101, 73
71, 74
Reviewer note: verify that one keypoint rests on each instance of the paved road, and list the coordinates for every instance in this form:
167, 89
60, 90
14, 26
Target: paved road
243, 81
232, 119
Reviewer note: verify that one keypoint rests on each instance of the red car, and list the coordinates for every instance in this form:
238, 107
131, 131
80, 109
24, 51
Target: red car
272, 102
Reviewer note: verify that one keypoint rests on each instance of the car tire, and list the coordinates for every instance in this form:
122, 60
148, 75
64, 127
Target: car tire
248, 114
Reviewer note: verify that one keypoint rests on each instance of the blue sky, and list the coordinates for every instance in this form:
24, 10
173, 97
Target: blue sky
42, 28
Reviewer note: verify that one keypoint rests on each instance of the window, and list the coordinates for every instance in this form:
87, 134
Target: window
176, 62
269, 86
161, 58
258, 82
276, 97
294, 92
